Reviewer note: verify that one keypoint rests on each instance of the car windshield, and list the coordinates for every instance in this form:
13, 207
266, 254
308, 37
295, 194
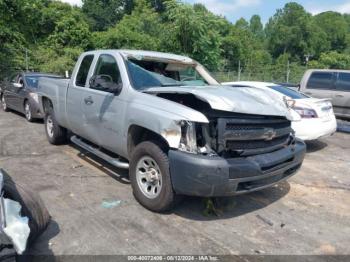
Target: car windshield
32, 81
152, 73
288, 92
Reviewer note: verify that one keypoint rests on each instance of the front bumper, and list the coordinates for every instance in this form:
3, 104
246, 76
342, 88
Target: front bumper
207, 176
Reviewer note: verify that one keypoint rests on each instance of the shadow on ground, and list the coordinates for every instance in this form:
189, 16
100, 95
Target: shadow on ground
194, 208
315, 145
121, 175
35, 121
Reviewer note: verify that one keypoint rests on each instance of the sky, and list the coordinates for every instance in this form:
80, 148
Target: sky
235, 9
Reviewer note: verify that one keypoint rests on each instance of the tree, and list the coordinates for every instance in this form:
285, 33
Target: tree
70, 31
104, 13
242, 24
195, 32
256, 26
291, 31
332, 60
336, 29
139, 30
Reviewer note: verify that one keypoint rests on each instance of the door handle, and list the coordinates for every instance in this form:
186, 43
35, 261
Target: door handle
88, 100
339, 96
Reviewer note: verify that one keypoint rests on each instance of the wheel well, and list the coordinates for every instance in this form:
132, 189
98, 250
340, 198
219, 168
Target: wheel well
47, 104
138, 134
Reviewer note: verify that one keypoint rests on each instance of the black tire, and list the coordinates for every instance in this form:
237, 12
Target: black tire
29, 114
167, 197
32, 206
58, 135
3, 104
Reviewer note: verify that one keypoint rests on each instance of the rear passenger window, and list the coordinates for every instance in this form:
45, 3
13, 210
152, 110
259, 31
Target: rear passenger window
84, 70
320, 80
343, 82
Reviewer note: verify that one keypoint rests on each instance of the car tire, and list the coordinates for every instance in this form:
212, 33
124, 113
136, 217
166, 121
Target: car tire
144, 188
55, 133
32, 206
28, 111
3, 104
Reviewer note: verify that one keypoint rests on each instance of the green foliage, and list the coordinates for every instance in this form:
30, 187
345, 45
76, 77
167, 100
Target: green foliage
195, 31
256, 27
336, 29
103, 14
56, 61
332, 60
290, 31
140, 30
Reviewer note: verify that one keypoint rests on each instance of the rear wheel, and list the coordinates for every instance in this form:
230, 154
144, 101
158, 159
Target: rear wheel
28, 111
150, 177
3, 104
55, 133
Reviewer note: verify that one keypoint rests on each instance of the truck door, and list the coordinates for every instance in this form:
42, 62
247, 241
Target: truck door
104, 110
341, 99
75, 97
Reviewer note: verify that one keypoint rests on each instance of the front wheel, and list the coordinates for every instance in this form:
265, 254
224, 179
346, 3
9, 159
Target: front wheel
150, 177
28, 112
55, 134
3, 104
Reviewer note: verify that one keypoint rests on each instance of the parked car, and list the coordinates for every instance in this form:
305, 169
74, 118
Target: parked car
329, 83
19, 93
313, 118
175, 127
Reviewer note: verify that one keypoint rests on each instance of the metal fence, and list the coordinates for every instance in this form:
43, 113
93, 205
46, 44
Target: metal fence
290, 73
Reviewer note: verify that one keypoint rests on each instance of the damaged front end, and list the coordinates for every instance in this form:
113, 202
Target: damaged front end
233, 153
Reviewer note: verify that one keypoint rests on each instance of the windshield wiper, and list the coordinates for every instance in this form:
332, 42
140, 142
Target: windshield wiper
173, 84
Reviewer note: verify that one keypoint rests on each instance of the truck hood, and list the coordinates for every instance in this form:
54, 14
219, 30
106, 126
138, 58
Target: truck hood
246, 100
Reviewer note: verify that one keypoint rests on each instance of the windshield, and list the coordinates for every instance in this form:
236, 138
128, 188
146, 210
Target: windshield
288, 92
32, 81
151, 73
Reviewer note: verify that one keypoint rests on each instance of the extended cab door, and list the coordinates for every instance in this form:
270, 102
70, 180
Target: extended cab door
104, 109
341, 99
75, 97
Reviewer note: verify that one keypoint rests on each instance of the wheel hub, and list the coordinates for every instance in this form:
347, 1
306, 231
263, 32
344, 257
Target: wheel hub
149, 177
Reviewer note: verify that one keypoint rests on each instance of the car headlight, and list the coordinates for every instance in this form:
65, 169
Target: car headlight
188, 142
34, 96
305, 112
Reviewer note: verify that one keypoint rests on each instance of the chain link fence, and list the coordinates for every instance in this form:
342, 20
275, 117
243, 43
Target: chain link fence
289, 73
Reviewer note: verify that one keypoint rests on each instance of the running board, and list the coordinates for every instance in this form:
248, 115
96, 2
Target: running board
113, 161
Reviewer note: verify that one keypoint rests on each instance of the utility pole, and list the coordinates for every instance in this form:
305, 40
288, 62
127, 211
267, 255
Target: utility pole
239, 70
26, 59
288, 72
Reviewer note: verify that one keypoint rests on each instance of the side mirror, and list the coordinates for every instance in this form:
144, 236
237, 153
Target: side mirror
105, 83
17, 85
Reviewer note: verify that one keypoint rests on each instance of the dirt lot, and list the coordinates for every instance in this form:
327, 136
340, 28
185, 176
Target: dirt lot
93, 210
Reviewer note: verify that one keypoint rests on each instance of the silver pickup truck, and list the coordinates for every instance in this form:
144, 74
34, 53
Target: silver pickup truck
172, 125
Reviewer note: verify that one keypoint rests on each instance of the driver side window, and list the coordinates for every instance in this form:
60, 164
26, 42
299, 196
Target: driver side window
107, 67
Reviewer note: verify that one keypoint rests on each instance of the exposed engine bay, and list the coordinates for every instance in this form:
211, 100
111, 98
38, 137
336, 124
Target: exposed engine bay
230, 134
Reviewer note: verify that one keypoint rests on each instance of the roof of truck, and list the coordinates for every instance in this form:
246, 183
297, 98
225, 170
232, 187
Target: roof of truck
143, 53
